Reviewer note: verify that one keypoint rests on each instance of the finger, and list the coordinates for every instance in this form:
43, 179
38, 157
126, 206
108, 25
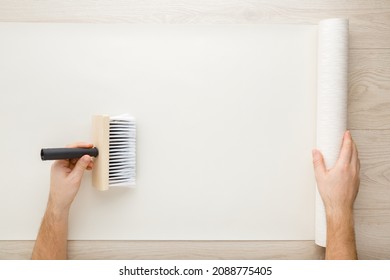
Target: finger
80, 166
62, 163
355, 156
90, 165
346, 149
318, 163
80, 145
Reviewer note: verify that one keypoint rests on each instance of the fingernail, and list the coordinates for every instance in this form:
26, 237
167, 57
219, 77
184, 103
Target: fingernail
87, 159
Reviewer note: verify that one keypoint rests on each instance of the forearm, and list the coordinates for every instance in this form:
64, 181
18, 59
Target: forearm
340, 236
52, 238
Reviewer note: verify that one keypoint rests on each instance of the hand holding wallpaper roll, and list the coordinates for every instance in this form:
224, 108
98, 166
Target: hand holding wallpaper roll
332, 97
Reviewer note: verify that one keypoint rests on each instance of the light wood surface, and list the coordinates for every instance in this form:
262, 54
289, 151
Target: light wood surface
369, 88
145, 250
368, 112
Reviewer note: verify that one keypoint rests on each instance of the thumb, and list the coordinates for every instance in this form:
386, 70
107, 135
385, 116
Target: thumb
80, 167
318, 163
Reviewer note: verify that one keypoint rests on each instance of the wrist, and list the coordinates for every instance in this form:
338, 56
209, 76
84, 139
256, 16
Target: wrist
339, 211
340, 234
340, 218
57, 212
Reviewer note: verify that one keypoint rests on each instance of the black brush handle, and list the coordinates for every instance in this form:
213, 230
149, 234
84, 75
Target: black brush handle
67, 153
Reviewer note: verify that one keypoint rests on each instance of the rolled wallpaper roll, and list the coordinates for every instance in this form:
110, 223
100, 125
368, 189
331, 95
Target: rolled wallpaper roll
332, 94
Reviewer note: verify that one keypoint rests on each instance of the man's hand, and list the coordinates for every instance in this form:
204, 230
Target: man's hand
339, 185
338, 188
65, 182
65, 179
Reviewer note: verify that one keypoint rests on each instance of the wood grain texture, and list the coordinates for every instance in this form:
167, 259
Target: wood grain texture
369, 89
16, 250
372, 206
158, 250
368, 111
372, 227
369, 20
374, 154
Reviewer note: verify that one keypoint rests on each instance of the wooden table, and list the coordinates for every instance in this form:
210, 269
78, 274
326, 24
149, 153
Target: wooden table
368, 113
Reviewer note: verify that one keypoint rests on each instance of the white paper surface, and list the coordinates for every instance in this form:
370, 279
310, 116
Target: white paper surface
226, 120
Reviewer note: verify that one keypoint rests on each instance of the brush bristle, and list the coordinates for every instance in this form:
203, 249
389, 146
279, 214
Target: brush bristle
122, 154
